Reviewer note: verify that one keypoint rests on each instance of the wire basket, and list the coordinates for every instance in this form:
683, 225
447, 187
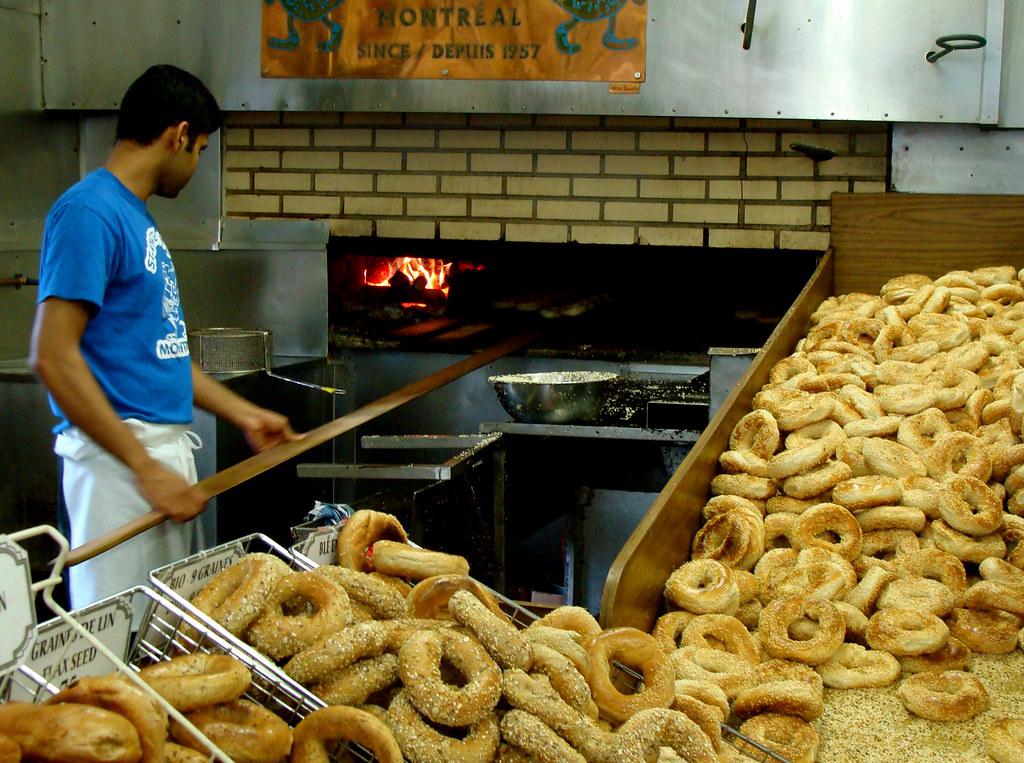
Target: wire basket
181, 580
26, 684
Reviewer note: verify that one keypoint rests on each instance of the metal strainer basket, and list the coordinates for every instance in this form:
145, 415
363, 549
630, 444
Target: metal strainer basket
231, 350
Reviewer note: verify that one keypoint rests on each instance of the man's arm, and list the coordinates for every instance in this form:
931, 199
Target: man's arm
262, 428
58, 362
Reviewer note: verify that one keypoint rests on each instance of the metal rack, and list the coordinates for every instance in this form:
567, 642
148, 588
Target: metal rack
39, 688
179, 581
271, 687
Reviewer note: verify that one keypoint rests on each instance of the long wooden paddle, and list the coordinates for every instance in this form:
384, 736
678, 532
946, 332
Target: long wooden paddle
261, 462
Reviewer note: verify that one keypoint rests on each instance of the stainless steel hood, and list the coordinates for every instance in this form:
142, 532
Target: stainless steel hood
808, 59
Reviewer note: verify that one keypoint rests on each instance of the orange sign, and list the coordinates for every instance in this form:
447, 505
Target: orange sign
586, 40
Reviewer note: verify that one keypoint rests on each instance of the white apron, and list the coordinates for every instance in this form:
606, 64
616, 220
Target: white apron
101, 495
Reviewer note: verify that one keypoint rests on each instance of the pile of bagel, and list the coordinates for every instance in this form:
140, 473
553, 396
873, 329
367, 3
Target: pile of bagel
865, 526
406, 637
111, 720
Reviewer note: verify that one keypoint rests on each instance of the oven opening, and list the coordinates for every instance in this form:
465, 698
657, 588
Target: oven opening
620, 303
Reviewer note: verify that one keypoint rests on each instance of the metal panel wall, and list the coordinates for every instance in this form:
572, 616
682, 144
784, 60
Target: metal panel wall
1011, 92
844, 59
928, 158
37, 150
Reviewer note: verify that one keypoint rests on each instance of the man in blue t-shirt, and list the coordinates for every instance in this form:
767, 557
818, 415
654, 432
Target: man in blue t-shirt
109, 341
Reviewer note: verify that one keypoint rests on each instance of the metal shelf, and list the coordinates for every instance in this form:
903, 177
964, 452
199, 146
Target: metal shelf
591, 432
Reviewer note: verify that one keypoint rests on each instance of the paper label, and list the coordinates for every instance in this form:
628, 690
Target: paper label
187, 577
17, 608
62, 656
320, 546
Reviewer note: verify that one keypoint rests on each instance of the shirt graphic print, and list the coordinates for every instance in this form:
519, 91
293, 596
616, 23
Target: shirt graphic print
175, 343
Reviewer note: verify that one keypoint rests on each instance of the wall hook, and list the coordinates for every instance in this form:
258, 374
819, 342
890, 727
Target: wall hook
951, 42
748, 25
814, 153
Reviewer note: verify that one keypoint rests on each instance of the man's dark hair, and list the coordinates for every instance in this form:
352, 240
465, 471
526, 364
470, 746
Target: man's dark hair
161, 97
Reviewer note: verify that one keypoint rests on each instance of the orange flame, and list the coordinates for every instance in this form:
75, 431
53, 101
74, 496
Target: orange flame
434, 272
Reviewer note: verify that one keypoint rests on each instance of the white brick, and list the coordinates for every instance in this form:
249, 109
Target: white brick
436, 206
281, 136
636, 165
671, 141
469, 139
312, 160
555, 234
435, 162
470, 231
502, 162
404, 138
705, 213
244, 203
534, 140
312, 205
777, 166
869, 186
372, 160
812, 189
776, 214
373, 205
698, 166
671, 236
533, 186
742, 189
603, 141
347, 227
812, 240
343, 182
568, 210
283, 181
406, 183
737, 238
252, 159
651, 188
235, 137
406, 228
569, 164
471, 184
742, 142
603, 234
502, 208
636, 211
604, 187
343, 138
237, 181
848, 166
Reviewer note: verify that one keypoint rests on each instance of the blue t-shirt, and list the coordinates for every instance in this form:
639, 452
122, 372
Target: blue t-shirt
101, 246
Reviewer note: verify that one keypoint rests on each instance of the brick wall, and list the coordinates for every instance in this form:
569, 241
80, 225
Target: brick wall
621, 180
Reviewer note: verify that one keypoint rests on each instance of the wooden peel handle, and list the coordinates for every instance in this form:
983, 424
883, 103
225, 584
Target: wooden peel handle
261, 462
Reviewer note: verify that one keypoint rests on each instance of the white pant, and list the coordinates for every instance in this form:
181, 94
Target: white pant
101, 495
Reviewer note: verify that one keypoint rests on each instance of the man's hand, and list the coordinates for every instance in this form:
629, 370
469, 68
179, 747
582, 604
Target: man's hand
264, 429
169, 493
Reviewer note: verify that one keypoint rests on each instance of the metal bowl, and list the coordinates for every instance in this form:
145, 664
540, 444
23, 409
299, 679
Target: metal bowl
558, 397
